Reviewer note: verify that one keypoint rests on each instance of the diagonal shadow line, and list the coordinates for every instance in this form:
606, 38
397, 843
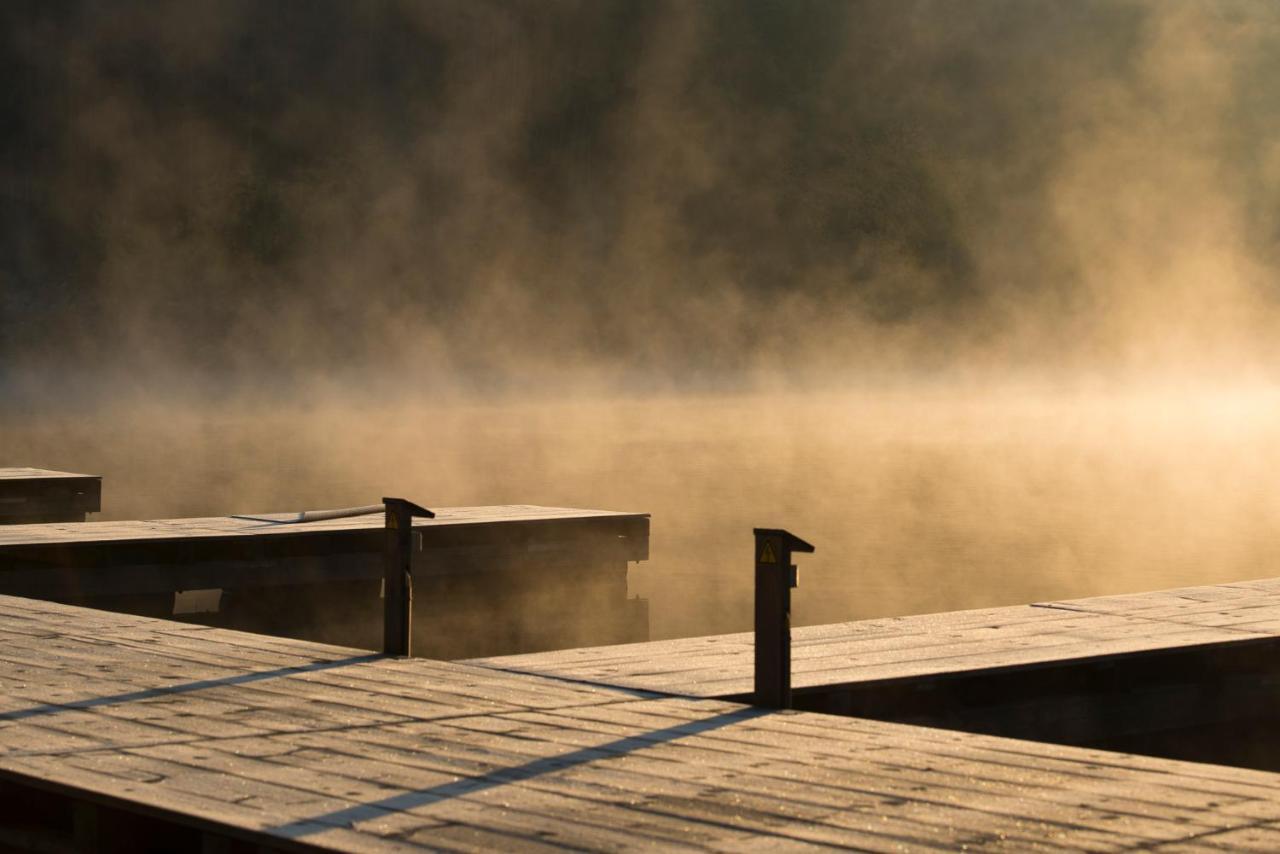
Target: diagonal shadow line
502, 776
184, 688
638, 693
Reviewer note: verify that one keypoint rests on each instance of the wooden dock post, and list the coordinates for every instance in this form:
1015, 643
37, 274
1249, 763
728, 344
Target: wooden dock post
397, 578
775, 576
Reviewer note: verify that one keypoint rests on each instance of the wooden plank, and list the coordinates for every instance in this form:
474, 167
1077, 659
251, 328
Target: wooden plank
18, 473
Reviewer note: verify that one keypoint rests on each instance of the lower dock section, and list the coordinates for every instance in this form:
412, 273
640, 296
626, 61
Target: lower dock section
120, 732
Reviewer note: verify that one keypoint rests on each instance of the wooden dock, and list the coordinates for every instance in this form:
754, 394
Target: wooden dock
487, 579
116, 728
931, 644
37, 495
1170, 672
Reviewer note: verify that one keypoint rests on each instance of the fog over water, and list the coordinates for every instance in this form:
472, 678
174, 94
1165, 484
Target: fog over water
919, 500
979, 298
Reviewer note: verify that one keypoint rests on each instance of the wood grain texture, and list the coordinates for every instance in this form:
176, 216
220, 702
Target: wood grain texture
290, 742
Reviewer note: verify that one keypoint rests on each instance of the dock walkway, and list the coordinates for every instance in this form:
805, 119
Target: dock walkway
915, 647
228, 740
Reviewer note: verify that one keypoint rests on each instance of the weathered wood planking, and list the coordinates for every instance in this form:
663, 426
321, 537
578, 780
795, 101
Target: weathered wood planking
488, 580
30, 495
20, 473
288, 744
223, 527
930, 644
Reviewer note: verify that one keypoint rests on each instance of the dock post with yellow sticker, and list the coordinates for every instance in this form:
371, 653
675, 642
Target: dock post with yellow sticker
775, 576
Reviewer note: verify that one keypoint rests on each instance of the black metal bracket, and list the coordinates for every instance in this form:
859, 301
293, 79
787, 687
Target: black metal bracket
775, 576
397, 576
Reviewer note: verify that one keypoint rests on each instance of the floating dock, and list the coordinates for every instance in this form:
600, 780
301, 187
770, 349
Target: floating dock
488, 580
38, 495
116, 729
1192, 673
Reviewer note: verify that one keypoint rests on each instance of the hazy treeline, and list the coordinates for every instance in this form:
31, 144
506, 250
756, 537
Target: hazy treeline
651, 191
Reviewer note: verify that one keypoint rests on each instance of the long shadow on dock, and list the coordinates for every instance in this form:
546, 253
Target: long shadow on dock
185, 688
514, 774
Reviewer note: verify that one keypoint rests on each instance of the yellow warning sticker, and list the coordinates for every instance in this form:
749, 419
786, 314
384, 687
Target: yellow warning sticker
766, 553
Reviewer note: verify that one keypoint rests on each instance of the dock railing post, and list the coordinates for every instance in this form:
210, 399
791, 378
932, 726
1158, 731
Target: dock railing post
775, 576
397, 575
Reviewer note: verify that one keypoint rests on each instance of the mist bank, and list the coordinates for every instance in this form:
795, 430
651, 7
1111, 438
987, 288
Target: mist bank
617, 195
918, 500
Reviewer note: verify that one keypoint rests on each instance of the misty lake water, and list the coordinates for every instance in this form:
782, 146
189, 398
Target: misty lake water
917, 501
